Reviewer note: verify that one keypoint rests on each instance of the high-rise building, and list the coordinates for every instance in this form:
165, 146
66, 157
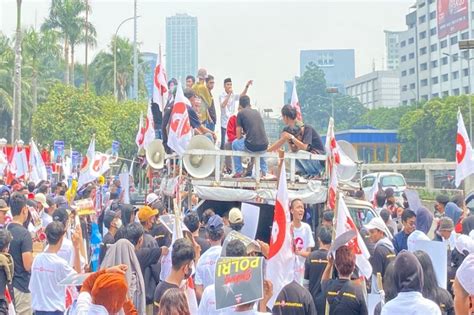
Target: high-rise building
338, 65
149, 59
431, 64
376, 89
288, 91
392, 50
181, 46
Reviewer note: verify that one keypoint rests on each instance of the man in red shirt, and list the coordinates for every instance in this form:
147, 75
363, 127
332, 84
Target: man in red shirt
231, 132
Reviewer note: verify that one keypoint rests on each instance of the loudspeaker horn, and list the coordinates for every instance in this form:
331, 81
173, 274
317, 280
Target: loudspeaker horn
347, 168
155, 154
199, 166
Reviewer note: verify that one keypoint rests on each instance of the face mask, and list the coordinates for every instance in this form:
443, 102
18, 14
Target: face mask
118, 223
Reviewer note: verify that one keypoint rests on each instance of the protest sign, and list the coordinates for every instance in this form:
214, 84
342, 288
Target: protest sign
58, 149
239, 280
413, 199
438, 253
250, 244
125, 183
251, 214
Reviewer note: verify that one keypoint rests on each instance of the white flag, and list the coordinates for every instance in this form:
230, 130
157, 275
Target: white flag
86, 175
37, 168
464, 155
146, 131
296, 103
19, 164
180, 131
344, 224
160, 86
100, 164
281, 258
333, 159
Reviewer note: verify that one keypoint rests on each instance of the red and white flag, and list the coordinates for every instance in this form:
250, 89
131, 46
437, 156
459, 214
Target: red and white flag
464, 155
18, 166
180, 132
100, 164
146, 130
160, 84
345, 223
86, 175
333, 159
281, 257
296, 103
37, 168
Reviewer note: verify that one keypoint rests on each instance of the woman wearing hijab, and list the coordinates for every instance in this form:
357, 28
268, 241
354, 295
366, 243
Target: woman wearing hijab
464, 287
424, 220
468, 225
455, 213
431, 289
409, 283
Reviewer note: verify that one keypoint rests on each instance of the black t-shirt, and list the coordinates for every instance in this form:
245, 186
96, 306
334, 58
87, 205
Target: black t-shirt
161, 288
212, 110
344, 297
21, 243
311, 137
106, 240
381, 258
252, 124
293, 299
157, 116
147, 257
313, 271
161, 234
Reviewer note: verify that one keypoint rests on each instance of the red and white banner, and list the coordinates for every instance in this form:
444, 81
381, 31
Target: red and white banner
37, 168
160, 84
281, 258
296, 103
100, 164
18, 164
345, 223
333, 159
86, 175
464, 155
146, 130
180, 132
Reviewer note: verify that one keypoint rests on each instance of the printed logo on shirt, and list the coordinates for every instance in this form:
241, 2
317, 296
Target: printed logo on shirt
284, 303
299, 243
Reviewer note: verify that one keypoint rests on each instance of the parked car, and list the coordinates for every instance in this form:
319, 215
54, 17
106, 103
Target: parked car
385, 179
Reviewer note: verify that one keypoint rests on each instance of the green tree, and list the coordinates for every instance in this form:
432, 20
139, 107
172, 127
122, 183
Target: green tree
384, 118
7, 57
78, 36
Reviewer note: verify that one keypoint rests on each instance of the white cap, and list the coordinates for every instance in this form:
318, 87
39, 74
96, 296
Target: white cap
464, 243
376, 223
41, 198
465, 273
3, 141
151, 198
417, 235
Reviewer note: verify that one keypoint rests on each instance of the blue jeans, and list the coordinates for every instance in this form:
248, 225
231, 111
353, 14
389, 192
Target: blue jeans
239, 145
158, 134
309, 167
49, 313
210, 126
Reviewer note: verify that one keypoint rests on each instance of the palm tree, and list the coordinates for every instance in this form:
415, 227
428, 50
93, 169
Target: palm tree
17, 76
78, 36
38, 47
66, 17
6, 71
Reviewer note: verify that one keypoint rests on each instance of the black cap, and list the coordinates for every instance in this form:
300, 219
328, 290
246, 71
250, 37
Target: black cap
328, 215
109, 216
61, 215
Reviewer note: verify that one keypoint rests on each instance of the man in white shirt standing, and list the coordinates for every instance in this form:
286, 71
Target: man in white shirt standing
229, 103
302, 238
48, 270
206, 267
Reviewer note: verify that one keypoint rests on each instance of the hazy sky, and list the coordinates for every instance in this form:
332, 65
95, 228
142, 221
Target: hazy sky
257, 40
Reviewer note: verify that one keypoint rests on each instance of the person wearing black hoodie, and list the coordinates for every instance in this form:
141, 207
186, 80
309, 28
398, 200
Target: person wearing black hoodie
409, 282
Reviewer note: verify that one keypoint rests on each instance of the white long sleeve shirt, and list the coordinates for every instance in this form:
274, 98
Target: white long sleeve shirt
410, 303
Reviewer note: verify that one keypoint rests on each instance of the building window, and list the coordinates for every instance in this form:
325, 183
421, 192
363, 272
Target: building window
432, 15
434, 80
455, 75
444, 78
453, 40
405, 103
444, 61
466, 90
424, 97
424, 82
434, 47
411, 40
433, 31
413, 101
411, 56
412, 86
404, 73
465, 54
434, 95
424, 66
411, 71
422, 19
465, 35
404, 88
455, 57
444, 43
423, 35
403, 43
455, 91
465, 72
431, 1
404, 58
445, 93
434, 64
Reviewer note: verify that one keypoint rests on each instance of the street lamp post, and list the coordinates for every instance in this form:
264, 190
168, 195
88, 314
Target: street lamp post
115, 53
333, 91
468, 44
135, 54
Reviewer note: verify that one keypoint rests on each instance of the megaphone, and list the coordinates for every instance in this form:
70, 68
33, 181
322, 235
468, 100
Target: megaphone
155, 154
347, 168
113, 157
199, 166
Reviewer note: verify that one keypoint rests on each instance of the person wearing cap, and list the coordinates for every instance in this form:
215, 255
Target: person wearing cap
228, 103
205, 269
112, 222
159, 231
21, 249
464, 287
151, 198
236, 220
147, 217
302, 238
384, 252
251, 136
445, 232
409, 285
48, 270
43, 209
3, 212
328, 218
440, 205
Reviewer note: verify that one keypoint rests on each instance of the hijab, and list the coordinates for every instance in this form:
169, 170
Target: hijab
424, 219
408, 273
468, 225
453, 211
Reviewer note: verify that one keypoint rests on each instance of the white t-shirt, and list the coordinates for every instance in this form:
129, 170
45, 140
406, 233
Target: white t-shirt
206, 266
45, 219
207, 306
47, 271
84, 306
303, 239
230, 109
